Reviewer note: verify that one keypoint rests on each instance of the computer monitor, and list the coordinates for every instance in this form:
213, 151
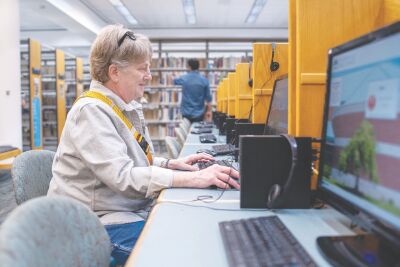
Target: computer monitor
359, 170
277, 119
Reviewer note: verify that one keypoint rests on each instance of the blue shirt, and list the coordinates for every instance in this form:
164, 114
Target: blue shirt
195, 91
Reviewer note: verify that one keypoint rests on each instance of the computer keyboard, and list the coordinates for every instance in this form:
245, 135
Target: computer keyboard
206, 164
201, 131
223, 149
262, 241
204, 126
208, 138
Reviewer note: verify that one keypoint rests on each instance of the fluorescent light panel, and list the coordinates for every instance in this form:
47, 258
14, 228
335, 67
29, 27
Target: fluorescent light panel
255, 10
190, 11
121, 8
76, 15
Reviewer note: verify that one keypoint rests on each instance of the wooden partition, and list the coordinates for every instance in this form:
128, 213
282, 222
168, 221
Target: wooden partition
315, 26
60, 91
264, 78
79, 76
219, 97
231, 93
243, 96
319, 26
224, 96
225, 84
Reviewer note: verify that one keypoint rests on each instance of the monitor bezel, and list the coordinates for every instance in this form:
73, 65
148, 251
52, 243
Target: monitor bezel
358, 214
282, 77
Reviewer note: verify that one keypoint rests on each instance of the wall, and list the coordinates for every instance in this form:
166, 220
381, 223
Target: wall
10, 88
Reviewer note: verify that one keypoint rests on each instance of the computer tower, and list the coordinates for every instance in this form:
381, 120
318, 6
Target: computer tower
266, 161
229, 124
247, 128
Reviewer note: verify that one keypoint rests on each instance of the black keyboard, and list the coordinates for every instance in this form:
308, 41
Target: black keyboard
223, 149
201, 131
205, 126
208, 138
262, 241
206, 164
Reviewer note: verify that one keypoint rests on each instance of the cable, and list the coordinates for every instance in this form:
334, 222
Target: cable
211, 208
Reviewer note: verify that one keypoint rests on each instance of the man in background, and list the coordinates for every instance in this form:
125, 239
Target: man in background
196, 97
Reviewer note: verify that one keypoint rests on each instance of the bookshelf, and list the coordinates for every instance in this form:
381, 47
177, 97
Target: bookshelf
73, 79
162, 107
54, 96
31, 94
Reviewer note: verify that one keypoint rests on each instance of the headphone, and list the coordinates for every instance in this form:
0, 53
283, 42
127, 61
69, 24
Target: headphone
274, 65
250, 78
276, 192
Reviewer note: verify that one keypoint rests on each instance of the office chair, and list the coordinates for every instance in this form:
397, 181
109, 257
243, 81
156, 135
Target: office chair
184, 131
180, 136
173, 147
53, 231
187, 124
31, 174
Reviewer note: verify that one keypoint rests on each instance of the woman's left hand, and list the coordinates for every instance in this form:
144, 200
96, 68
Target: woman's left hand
186, 163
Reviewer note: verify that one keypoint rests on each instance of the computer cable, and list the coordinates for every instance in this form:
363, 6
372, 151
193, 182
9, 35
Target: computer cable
212, 208
203, 198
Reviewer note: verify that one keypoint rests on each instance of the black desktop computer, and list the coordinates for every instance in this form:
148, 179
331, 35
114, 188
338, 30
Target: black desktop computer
220, 123
229, 124
359, 165
277, 117
360, 153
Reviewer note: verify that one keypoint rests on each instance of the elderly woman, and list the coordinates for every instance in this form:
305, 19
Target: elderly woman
105, 156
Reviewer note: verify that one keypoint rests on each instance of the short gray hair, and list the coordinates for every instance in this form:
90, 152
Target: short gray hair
105, 51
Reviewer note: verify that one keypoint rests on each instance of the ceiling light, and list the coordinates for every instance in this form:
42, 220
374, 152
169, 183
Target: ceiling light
255, 11
190, 11
121, 8
76, 14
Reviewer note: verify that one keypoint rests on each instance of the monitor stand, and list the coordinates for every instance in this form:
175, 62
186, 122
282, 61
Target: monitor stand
358, 250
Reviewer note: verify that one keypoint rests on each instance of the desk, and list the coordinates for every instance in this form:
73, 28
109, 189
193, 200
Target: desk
194, 138
183, 232
178, 235
192, 143
7, 152
186, 194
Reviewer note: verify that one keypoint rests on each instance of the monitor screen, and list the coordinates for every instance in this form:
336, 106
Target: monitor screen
361, 149
277, 119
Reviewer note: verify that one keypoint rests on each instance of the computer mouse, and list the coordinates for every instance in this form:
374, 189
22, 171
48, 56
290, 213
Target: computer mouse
208, 151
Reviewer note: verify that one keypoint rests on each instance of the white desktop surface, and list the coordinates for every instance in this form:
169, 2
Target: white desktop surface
182, 231
180, 235
192, 195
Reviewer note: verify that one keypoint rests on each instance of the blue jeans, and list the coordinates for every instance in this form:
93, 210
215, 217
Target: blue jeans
123, 238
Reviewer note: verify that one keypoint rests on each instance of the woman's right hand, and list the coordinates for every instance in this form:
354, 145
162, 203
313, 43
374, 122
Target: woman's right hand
221, 176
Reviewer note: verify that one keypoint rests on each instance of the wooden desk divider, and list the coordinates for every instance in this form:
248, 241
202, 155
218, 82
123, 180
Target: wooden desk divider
225, 95
218, 95
35, 92
60, 91
314, 27
79, 76
243, 96
231, 93
264, 78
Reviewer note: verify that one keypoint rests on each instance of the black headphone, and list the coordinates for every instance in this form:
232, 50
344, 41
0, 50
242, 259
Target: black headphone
250, 78
276, 192
274, 65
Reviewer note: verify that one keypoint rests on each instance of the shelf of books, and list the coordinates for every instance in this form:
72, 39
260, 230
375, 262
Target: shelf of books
170, 61
54, 96
31, 97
